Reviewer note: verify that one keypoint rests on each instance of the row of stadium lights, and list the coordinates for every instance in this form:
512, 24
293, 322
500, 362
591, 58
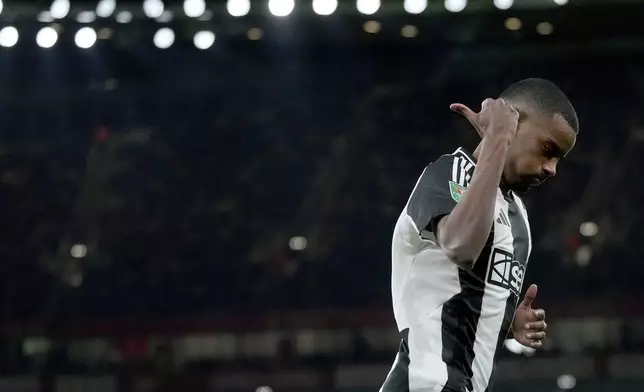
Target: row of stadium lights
155, 9
86, 37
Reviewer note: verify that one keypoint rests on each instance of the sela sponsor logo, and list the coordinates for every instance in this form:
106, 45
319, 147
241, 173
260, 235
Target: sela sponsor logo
505, 272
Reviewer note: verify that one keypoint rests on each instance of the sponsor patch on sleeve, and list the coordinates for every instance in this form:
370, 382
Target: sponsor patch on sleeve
456, 190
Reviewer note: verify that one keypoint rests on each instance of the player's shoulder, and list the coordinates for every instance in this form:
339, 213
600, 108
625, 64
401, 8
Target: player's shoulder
459, 156
458, 167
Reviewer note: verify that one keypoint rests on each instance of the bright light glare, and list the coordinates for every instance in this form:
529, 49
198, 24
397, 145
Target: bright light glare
153, 8
8, 36
325, 7
503, 4
124, 17
46, 37
86, 17
588, 229
368, 7
194, 8
281, 7
566, 382
105, 8
415, 6
204, 39
297, 243
85, 37
455, 5
1, 6
561, 2
44, 17
59, 9
78, 251
238, 7
164, 38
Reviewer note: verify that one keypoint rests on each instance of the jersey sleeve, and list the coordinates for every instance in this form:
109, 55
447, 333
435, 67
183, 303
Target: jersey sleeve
437, 192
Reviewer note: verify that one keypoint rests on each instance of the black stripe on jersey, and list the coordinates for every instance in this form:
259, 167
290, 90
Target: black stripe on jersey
460, 320
521, 246
398, 378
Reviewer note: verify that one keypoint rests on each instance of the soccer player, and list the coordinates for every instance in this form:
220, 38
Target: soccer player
461, 245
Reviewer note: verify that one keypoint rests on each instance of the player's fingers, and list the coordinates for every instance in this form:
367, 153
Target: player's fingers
536, 326
530, 295
540, 314
536, 336
536, 344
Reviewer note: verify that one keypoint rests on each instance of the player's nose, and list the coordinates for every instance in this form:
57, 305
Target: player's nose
550, 168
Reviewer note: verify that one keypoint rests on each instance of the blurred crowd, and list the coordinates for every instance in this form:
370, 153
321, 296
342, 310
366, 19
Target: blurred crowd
275, 184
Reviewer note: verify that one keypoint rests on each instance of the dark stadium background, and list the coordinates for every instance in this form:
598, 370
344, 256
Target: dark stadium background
219, 219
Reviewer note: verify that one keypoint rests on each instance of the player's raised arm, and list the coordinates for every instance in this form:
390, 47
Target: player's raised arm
463, 233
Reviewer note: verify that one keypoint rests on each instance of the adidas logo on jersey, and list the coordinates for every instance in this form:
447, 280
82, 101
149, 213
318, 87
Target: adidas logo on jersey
505, 272
502, 219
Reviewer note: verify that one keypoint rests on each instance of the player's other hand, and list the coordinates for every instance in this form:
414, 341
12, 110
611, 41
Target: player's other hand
496, 118
530, 324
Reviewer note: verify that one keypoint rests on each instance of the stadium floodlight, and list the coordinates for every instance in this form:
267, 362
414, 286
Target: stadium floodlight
164, 38
415, 6
8, 36
153, 8
124, 17
59, 9
105, 8
503, 4
238, 7
194, 8
204, 39
281, 7
78, 251
325, 7
44, 17
368, 7
455, 5
47, 37
86, 17
85, 37
566, 382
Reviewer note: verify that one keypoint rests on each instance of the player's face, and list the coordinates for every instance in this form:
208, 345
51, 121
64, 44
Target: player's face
540, 143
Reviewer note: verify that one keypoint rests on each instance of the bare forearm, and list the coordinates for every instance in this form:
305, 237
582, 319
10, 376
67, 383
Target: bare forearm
464, 232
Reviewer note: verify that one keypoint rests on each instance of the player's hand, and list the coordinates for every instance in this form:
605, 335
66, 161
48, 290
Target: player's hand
530, 324
496, 118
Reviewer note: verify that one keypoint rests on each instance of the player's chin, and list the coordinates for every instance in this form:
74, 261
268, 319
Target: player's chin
523, 186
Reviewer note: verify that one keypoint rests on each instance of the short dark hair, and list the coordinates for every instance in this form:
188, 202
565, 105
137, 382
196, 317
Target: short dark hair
543, 96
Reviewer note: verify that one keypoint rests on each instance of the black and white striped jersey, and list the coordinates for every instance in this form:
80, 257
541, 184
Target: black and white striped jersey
452, 321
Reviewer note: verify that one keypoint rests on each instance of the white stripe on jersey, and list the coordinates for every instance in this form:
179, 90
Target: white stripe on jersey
460, 171
492, 308
524, 214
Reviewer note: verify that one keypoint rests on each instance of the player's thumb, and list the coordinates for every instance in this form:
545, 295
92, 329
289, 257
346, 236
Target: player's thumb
530, 295
466, 112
